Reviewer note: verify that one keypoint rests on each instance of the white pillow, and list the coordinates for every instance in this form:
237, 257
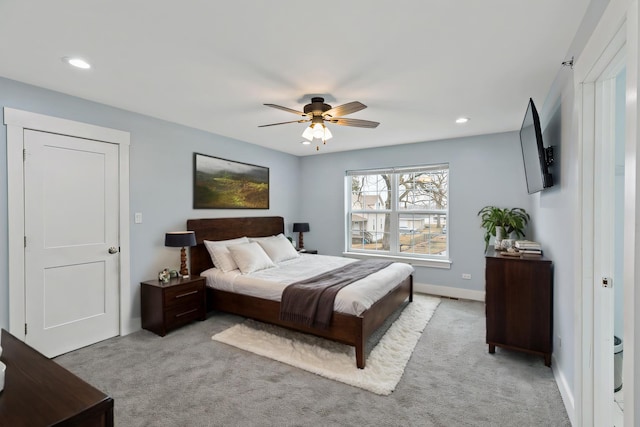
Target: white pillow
261, 239
220, 255
279, 248
250, 257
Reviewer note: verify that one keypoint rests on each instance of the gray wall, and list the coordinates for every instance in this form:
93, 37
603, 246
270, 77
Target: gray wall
161, 166
484, 170
554, 211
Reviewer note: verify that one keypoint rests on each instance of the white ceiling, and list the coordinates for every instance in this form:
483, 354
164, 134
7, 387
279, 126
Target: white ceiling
211, 65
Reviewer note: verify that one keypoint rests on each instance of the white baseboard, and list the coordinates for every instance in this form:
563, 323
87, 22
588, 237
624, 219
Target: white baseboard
447, 291
134, 324
565, 391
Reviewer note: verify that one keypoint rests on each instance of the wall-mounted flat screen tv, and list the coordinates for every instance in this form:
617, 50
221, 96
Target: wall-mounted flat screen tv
536, 158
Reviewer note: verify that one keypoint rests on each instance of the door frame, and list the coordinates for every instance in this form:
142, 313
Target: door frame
617, 28
17, 121
599, 108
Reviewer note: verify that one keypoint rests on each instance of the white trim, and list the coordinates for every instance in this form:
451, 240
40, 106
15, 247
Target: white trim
17, 121
28, 120
448, 291
630, 378
127, 325
15, 198
565, 391
419, 262
584, 334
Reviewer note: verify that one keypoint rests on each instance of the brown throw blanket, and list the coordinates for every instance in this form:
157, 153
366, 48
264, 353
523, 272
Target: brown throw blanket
310, 301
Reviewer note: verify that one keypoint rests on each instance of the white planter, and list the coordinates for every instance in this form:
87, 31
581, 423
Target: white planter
499, 236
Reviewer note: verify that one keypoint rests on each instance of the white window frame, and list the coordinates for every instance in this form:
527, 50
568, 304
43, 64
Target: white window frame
436, 261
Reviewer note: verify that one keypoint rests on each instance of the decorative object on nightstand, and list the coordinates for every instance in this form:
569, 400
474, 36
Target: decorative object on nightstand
300, 227
167, 306
164, 276
177, 239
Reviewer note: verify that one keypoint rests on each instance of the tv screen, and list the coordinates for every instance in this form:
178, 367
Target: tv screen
533, 152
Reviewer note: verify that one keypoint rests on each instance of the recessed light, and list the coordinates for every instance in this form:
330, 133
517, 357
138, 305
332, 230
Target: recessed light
305, 142
461, 120
77, 62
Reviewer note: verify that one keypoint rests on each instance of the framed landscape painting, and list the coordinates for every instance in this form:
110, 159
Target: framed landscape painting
225, 184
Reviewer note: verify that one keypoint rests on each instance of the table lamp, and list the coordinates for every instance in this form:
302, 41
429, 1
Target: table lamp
300, 227
177, 239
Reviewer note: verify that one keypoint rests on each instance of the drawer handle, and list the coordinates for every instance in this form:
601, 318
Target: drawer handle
186, 312
186, 294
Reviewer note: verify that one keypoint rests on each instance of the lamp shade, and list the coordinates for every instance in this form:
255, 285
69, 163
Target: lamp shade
180, 239
308, 133
300, 227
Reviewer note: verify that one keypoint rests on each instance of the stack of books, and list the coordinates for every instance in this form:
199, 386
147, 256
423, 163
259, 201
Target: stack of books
527, 247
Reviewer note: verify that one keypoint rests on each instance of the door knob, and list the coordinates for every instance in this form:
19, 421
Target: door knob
113, 250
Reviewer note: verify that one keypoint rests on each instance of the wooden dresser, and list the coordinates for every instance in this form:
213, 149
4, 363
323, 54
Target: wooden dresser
519, 303
39, 392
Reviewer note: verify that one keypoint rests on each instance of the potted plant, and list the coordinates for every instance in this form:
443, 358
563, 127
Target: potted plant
501, 222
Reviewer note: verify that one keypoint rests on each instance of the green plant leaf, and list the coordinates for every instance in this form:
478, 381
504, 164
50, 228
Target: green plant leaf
513, 220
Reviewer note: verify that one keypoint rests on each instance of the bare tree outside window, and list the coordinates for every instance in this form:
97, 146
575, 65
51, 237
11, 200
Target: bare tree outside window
400, 212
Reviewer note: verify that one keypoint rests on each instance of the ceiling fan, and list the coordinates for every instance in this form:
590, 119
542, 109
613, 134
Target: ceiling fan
317, 112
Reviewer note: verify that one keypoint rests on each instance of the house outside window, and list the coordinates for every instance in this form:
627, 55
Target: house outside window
398, 212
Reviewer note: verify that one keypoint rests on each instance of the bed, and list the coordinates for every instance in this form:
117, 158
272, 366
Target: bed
345, 328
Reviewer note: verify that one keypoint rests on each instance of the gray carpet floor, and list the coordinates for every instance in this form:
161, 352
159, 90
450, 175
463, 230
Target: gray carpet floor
186, 379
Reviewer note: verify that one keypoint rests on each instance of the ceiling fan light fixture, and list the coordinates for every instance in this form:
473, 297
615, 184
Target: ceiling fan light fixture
327, 134
308, 133
318, 130
317, 112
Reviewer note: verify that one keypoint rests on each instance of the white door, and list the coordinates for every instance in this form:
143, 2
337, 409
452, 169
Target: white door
71, 222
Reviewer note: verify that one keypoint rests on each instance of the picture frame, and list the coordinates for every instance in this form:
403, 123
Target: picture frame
226, 184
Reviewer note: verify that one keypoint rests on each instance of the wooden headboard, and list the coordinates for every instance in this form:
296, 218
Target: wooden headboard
225, 229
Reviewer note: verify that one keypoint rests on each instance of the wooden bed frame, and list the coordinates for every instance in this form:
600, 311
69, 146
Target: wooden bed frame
345, 328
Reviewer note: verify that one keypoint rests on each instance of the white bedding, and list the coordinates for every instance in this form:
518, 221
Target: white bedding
268, 284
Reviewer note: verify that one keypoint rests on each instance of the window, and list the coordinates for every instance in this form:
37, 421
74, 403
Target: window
399, 212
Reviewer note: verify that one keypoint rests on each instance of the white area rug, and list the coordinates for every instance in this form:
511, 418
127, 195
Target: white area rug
384, 365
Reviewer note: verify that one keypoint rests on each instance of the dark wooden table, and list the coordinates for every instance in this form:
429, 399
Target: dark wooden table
166, 306
39, 392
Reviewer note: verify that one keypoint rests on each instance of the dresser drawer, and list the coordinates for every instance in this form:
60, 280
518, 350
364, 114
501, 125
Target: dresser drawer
182, 314
188, 294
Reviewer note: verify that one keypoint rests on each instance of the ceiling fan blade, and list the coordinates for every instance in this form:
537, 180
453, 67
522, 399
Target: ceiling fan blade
344, 109
284, 123
353, 122
280, 107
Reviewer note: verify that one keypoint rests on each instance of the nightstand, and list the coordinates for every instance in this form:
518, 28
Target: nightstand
166, 306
